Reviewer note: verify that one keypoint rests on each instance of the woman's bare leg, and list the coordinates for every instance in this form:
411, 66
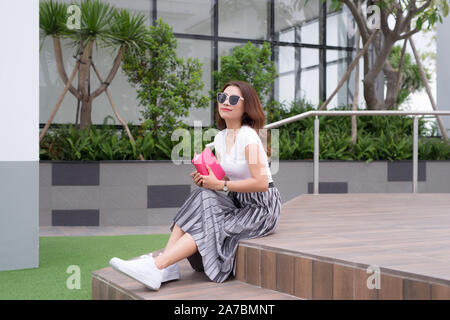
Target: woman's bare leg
176, 234
184, 247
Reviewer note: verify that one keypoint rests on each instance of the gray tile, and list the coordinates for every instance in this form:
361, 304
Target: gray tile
337, 171
45, 175
45, 197
398, 187
364, 177
167, 196
288, 176
75, 174
45, 217
168, 173
161, 217
75, 197
123, 197
329, 187
401, 170
124, 217
75, 217
438, 175
124, 174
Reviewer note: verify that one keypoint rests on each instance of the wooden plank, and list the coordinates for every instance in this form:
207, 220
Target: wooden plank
192, 285
401, 232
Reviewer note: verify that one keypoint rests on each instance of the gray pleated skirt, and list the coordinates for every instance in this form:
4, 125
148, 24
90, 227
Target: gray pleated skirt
218, 220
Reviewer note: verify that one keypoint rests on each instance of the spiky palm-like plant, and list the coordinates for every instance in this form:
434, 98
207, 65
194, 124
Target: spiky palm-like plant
100, 24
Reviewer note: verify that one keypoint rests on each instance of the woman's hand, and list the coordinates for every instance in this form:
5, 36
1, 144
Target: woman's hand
197, 178
210, 181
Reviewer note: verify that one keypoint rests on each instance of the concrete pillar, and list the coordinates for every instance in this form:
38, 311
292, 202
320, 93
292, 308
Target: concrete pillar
19, 135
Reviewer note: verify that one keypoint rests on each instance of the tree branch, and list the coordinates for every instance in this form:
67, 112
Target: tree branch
412, 11
408, 34
384, 22
360, 21
400, 67
60, 66
110, 76
424, 6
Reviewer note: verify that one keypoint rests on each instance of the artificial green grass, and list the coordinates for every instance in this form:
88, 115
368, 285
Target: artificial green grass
56, 254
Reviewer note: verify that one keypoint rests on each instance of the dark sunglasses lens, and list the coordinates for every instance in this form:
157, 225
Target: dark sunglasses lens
221, 97
234, 100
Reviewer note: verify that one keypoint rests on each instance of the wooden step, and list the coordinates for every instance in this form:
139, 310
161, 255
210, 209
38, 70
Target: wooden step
108, 284
354, 246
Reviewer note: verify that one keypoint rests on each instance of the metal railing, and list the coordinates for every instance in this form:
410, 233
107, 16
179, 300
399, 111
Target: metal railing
358, 113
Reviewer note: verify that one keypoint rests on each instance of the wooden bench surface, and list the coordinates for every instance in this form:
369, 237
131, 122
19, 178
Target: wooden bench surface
406, 233
192, 285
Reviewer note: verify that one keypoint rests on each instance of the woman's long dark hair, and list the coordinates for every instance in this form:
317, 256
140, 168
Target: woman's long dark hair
253, 115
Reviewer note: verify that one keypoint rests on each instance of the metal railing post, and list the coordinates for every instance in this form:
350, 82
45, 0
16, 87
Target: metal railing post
316, 155
415, 153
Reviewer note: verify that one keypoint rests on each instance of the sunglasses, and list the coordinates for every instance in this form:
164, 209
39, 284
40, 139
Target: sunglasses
233, 100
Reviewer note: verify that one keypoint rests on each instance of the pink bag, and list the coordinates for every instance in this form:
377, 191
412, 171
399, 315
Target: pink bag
207, 158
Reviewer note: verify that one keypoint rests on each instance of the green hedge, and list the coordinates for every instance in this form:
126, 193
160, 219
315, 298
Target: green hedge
379, 138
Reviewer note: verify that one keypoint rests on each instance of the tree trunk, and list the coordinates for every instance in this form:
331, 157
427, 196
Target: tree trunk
370, 93
391, 87
86, 110
84, 82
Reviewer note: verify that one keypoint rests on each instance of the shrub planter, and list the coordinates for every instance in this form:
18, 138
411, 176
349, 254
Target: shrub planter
141, 193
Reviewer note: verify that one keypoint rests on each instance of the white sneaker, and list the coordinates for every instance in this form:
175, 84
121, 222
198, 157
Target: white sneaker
143, 270
170, 273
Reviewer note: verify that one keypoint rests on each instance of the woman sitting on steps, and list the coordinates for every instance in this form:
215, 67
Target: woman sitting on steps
208, 226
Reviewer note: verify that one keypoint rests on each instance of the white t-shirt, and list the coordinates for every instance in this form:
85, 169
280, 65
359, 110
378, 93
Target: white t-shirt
235, 164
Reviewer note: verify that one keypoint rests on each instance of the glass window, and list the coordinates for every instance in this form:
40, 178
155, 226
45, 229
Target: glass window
286, 65
285, 85
200, 49
135, 6
309, 77
333, 55
286, 59
309, 86
286, 68
244, 19
335, 72
187, 16
339, 28
309, 57
351, 81
310, 33
303, 14
294, 83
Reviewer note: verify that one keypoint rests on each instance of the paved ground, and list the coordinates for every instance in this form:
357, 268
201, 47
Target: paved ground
101, 231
